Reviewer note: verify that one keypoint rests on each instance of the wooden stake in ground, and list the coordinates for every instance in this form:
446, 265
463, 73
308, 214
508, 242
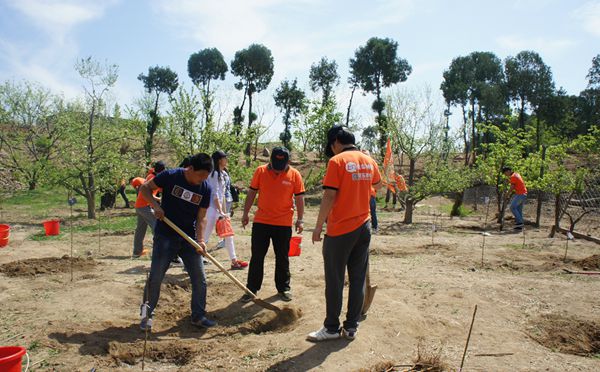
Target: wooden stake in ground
462, 362
145, 307
486, 200
71, 201
98, 233
569, 237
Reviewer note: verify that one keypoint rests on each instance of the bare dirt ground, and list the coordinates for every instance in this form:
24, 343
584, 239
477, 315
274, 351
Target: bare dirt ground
532, 316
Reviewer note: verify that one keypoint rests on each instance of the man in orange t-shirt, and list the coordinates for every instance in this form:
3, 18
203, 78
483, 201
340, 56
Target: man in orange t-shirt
517, 187
347, 186
278, 186
144, 212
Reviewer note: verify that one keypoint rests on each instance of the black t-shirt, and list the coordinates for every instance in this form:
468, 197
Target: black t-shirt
180, 201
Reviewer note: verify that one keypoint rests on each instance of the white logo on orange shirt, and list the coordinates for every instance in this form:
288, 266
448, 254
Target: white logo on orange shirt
351, 167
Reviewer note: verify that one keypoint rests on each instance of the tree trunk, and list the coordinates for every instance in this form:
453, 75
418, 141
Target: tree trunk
557, 215
32, 184
248, 150
473, 133
408, 213
522, 114
540, 196
465, 139
410, 203
458, 202
350, 105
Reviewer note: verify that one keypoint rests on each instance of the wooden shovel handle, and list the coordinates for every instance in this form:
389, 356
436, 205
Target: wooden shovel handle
197, 246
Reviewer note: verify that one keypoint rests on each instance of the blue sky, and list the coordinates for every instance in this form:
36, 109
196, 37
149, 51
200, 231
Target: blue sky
41, 39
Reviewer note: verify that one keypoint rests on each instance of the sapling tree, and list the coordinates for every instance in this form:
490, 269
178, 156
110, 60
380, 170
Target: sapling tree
290, 99
416, 125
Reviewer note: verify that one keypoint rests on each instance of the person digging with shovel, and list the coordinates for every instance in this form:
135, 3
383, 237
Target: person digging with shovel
185, 199
347, 186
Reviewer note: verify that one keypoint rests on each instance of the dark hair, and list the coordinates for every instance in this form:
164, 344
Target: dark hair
342, 135
159, 166
201, 161
504, 169
216, 156
130, 179
185, 162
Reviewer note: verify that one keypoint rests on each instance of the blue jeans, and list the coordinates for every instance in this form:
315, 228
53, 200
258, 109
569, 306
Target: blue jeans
516, 207
166, 249
373, 205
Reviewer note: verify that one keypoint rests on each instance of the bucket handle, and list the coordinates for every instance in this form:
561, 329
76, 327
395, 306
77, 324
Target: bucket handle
27, 366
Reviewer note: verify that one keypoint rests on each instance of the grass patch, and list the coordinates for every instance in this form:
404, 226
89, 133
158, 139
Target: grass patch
41, 237
36, 203
462, 210
113, 224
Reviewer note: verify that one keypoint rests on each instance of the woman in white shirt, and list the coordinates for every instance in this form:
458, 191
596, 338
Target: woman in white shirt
217, 208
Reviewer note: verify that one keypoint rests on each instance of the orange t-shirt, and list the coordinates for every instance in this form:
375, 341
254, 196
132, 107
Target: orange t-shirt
352, 174
276, 195
140, 202
401, 183
518, 183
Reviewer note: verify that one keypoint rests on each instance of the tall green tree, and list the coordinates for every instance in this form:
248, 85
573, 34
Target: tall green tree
375, 66
324, 77
160, 80
29, 132
184, 125
594, 73
475, 83
529, 83
587, 109
290, 100
203, 67
254, 67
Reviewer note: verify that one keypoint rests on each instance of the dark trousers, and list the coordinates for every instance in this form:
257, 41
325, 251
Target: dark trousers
387, 197
373, 206
164, 251
262, 234
350, 251
122, 193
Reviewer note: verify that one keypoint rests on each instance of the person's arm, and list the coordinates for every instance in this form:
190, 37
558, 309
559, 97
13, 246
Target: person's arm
200, 226
326, 206
146, 191
247, 205
299, 199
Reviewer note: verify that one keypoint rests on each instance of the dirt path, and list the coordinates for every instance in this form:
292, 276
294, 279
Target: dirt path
426, 293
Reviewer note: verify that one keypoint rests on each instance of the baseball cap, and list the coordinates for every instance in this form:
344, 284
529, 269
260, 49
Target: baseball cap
280, 156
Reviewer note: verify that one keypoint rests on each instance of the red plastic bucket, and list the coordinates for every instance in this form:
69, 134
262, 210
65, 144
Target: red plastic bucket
10, 358
295, 246
3, 242
4, 231
52, 227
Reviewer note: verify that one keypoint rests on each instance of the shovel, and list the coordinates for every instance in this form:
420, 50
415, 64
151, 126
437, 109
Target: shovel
193, 243
369, 294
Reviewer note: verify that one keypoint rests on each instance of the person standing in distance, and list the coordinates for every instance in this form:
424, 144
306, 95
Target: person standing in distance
185, 199
278, 186
519, 195
347, 186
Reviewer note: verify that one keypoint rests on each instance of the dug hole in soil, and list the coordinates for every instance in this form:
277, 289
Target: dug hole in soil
48, 265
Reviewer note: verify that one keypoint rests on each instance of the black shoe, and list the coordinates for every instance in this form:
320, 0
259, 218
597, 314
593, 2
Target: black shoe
285, 296
246, 298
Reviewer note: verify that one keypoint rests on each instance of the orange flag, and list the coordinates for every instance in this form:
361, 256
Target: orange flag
388, 167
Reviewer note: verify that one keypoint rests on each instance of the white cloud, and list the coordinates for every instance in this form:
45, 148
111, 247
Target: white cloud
58, 17
589, 15
513, 43
49, 57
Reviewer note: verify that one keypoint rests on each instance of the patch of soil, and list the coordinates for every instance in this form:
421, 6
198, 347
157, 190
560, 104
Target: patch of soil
270, 321
177, 352
589, 263
567, 334
48, 265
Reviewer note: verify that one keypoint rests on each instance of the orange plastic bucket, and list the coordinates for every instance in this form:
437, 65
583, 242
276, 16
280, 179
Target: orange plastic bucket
295, 246
4, 231
10, 358
52, 227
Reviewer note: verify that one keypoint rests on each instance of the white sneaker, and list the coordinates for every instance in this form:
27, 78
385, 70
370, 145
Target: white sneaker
349, 334
322, 335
